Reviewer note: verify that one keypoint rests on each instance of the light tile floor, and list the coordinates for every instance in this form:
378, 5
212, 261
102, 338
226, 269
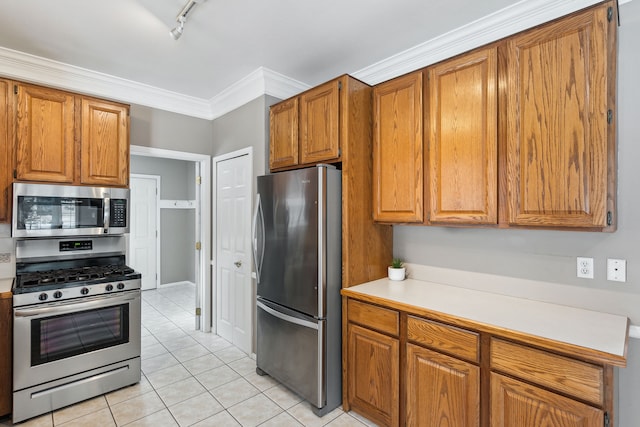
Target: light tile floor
191, 378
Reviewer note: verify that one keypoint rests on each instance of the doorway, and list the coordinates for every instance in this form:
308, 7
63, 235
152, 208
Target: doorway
201, 205
233, 175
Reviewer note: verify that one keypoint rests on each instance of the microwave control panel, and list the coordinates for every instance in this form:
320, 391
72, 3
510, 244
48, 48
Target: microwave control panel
118, 208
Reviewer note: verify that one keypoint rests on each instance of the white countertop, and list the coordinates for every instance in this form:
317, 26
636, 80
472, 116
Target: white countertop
585, 328
5, 286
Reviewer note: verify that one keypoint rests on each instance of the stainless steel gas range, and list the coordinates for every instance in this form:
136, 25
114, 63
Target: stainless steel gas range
76, 314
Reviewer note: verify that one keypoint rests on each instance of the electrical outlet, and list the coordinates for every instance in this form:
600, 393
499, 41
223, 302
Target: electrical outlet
584, 267
617, 270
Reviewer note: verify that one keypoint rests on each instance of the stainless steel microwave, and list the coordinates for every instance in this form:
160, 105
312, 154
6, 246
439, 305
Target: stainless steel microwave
45, 210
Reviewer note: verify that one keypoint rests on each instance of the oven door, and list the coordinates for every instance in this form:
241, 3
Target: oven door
55, 340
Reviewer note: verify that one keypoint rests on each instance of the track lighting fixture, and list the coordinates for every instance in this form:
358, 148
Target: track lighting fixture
181, 18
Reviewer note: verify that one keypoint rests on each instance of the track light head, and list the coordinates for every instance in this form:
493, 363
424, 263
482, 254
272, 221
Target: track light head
182, 18
177, 31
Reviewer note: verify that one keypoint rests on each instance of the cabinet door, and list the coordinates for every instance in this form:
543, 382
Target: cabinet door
45, 135
373, 375
6, 349
397, 150
514, 403
104, 150
557, 133
319, 116
283, 124
462, 139
6, 166
441, 388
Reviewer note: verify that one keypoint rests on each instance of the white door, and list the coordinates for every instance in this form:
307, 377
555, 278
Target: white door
233, 249
143, 229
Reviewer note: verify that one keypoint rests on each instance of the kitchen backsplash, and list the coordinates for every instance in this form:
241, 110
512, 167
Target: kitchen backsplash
7, 258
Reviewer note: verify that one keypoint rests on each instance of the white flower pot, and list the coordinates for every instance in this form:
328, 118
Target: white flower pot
396, 273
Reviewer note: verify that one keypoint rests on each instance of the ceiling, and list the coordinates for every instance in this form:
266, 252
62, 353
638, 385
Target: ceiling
124, 45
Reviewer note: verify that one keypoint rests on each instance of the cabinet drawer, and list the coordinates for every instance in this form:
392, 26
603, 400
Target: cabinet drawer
576, 378
374, 317
448, 339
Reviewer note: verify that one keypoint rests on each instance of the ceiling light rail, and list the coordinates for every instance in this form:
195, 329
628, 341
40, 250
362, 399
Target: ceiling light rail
181, 18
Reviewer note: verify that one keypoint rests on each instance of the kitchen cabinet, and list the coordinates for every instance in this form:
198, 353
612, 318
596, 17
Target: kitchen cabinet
66, 138
6, 349
283, 125
470, 373
373, 362
332, 123
104, 148
560, 126
462, 133
45, 134
398, 150
439, 384
5, 152
305, 130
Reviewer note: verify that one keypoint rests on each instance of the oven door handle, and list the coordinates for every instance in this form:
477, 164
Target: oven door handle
71, 307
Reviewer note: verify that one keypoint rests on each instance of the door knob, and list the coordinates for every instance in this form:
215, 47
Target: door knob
238, 264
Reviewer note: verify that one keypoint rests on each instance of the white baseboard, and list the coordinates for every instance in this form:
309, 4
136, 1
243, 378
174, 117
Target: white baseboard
166, 285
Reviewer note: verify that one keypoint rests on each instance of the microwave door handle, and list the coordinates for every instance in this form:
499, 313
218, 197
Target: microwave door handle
107, 212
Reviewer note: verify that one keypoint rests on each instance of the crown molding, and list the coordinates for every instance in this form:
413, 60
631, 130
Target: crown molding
505, 22
263, 81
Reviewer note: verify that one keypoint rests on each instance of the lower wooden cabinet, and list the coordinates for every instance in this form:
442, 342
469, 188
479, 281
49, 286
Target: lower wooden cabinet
6, 347
373, 375
406, 368
515, 403
441, 390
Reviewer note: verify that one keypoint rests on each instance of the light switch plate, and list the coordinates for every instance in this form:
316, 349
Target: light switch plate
617, 270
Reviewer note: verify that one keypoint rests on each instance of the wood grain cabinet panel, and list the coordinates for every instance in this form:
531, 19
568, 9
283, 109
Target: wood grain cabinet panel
45, 135
580, 379
441, 390
6, 165
398, 150
283, 125
515, 403
444, 338
319, 118
104, 150
374, 317
6, 349
373, 375
560, 146
462, 136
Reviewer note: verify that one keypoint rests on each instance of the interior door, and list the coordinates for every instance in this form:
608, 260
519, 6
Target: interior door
233, 251
143, 230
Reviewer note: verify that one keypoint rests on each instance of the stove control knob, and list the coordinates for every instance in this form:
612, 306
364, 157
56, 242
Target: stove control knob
109, 287
57, 294
84, 291
43, 297
120, 285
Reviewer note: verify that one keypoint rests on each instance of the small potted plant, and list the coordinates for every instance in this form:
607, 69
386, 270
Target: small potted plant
396, 270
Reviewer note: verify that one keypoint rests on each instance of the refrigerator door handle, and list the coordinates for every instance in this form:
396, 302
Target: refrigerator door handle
286, 317
258, 257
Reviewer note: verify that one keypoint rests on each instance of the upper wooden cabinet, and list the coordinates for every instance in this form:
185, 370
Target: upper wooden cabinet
319, 118
45, 138
104, 151
305, 130
5, 152
66, 138
398, 150
462, 139
283, 124
560, 81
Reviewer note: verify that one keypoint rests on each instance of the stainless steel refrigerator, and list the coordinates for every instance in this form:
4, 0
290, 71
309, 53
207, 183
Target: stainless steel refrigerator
298, 255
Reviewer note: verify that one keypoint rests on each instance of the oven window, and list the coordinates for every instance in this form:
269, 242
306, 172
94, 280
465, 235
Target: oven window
67, 335
51, 213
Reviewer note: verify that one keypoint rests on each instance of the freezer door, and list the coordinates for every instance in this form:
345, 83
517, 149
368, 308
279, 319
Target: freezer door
289, 229
290, 348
